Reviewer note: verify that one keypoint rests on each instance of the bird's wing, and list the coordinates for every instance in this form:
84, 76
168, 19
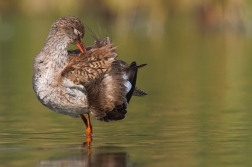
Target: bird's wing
87, 67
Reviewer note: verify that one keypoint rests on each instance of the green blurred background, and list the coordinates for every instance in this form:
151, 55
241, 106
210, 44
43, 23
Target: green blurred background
198, 111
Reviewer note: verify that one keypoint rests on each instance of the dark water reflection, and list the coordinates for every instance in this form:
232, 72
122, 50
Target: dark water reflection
102, 157
197, 113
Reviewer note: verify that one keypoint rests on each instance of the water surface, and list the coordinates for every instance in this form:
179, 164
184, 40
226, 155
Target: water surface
197, 113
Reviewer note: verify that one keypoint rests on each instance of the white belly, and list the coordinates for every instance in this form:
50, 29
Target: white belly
65, 98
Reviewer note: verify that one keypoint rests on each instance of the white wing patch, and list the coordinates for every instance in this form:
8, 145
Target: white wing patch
128, 86
127, 83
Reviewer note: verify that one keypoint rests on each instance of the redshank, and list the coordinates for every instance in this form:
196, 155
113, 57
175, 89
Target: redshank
88, 80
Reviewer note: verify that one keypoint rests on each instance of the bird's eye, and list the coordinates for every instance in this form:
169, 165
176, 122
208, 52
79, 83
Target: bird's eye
76, 31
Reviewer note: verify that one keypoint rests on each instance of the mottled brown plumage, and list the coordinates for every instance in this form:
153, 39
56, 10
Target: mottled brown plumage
107, 97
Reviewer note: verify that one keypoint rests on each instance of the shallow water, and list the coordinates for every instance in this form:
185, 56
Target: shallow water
197, 113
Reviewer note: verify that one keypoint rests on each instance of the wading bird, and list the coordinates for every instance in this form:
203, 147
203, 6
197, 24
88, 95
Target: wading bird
88, 80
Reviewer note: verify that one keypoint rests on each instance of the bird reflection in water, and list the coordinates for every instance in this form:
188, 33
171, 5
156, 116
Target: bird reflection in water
100, 157
87, 144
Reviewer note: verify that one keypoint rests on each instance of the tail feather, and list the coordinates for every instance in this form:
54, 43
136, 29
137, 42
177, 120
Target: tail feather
138, 92
141, 65
132, 76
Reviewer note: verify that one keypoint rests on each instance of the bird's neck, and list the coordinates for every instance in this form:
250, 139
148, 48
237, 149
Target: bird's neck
55, 52
57, 43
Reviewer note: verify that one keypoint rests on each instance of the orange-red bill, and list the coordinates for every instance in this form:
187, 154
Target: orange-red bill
81, 46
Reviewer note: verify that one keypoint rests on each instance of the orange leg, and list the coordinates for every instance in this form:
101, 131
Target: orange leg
89, 127
87, 122
88, 131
